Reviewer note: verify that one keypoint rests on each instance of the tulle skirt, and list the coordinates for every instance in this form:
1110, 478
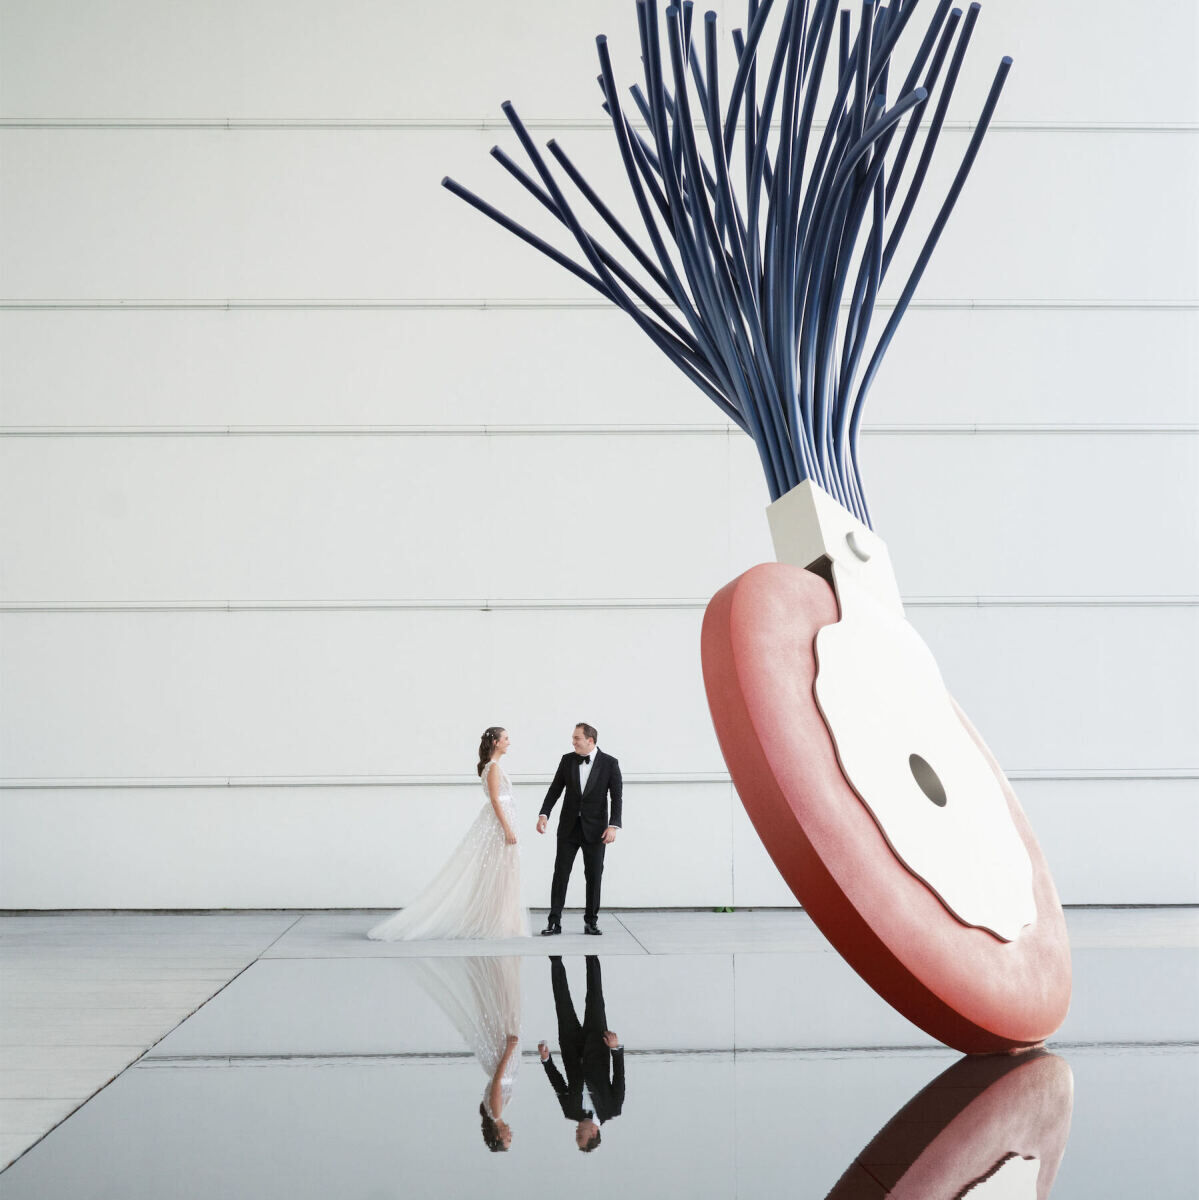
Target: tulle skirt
482, 999
475, 895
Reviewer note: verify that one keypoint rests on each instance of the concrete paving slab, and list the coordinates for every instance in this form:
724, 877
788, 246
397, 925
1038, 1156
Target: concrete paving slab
343, 935
87, 968
113, 994
16, 1016
58, 1058
63, 1039
201, 926
147, 948
758, 930
51, 1084
33, 1116
119, 1033
101, 973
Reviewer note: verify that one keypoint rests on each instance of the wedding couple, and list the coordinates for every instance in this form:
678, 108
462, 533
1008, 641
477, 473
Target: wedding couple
477, 893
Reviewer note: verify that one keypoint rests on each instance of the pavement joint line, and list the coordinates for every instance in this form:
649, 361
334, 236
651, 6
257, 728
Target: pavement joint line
620, 921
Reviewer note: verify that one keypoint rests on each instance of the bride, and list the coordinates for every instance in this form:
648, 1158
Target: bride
477, 893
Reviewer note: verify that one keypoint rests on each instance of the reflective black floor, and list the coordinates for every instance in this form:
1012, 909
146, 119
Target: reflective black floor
754, 1074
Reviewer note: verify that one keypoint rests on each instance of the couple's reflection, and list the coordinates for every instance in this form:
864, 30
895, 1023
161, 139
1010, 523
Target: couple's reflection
591, 1054
481, 996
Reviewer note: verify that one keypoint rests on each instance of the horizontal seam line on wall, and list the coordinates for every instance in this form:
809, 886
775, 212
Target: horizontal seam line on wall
485, 123
248, 304
915, 429
492, 604
338, 781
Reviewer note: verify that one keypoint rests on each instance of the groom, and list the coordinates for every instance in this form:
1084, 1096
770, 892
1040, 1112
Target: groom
589, 777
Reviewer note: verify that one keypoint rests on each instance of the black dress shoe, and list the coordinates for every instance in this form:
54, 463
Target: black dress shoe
551, 928
593, 928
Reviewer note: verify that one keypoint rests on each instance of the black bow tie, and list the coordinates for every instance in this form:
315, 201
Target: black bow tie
583, 758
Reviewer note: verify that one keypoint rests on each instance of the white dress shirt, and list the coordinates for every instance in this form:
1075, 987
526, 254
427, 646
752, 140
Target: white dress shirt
585, 770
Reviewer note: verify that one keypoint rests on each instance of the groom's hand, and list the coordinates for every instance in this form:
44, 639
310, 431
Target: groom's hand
541, 823
610, 835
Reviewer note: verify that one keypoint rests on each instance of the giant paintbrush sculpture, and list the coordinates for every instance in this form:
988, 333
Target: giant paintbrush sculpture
876, 799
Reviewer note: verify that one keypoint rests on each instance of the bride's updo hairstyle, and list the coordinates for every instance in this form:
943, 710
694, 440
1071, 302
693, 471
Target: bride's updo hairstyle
491, 1135
491, 735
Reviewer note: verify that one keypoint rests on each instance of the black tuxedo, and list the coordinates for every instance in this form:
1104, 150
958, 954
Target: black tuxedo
584, 817
585, 1055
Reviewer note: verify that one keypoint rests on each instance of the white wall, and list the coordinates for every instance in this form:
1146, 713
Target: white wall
297, 452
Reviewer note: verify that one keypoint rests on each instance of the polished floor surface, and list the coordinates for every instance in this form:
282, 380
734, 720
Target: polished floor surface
284, 1055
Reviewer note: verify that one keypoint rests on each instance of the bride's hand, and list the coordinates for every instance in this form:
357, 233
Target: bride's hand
509, 837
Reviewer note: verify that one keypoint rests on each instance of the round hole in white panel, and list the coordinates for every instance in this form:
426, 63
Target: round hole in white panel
928, 780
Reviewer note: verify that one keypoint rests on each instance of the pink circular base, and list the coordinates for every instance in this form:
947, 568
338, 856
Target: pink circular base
962, 985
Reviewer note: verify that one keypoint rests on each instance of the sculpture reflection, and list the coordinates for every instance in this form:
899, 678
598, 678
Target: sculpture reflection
993, 1126
481, 998
591, 1055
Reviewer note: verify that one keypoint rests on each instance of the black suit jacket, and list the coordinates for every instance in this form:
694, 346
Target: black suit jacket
602, 1070
604, 784
585, 1054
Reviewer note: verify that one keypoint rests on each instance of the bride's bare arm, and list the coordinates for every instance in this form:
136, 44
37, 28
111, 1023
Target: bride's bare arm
495, 1097
493, 790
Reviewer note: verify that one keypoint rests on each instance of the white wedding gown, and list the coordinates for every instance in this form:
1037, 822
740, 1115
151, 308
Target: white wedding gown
477, 893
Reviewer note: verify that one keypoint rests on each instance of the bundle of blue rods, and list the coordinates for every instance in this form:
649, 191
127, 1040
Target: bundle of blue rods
744, 293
